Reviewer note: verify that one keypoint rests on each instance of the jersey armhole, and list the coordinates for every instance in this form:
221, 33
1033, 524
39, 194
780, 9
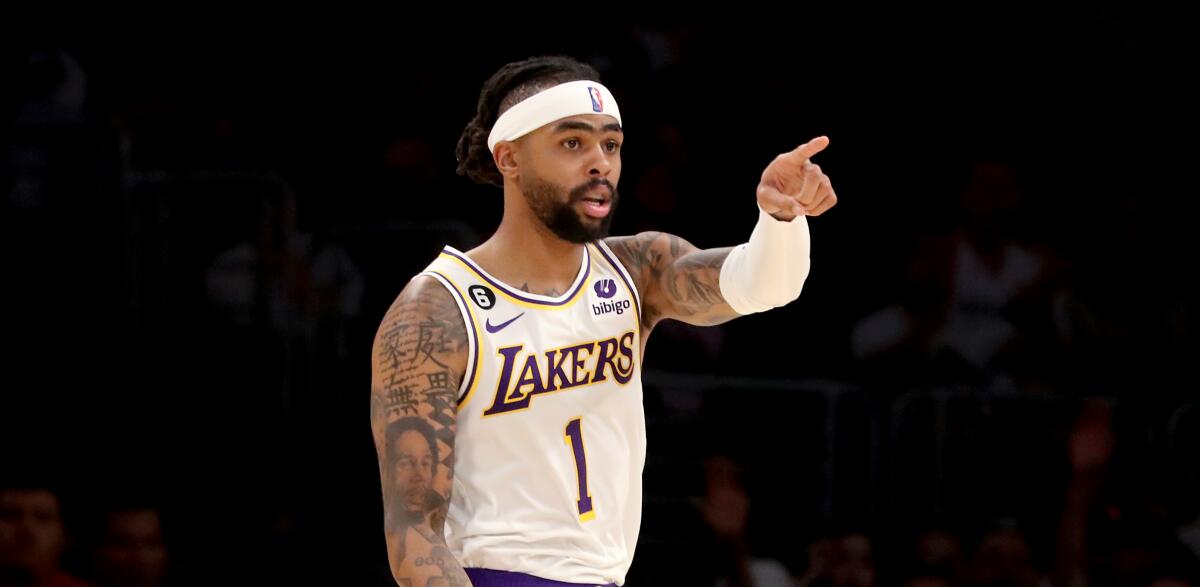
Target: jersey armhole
612, 259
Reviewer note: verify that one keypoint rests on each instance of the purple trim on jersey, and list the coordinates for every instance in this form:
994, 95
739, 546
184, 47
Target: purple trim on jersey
587, 268
470, 332
494, 578
621, 272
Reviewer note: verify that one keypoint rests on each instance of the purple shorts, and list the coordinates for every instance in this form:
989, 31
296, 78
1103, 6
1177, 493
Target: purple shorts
494, 578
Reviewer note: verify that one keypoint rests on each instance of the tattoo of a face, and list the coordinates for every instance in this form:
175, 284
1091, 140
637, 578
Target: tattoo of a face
412, 456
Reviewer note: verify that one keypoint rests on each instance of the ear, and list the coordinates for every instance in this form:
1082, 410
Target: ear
508, 159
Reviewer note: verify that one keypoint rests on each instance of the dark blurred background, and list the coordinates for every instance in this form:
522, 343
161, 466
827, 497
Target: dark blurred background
986, 381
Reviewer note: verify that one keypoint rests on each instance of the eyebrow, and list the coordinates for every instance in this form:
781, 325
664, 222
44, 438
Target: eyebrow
576, 125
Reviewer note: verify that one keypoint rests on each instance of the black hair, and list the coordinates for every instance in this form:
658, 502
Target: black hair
511, 84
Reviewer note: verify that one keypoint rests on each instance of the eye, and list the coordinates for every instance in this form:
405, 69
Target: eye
613, 146
571, 143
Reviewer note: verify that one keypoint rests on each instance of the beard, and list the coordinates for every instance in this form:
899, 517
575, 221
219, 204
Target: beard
562, 218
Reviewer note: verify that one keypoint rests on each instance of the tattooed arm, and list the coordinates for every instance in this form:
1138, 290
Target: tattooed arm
419, 356
674, 278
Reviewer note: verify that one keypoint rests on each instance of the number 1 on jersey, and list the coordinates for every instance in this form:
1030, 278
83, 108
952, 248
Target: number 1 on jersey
574, 437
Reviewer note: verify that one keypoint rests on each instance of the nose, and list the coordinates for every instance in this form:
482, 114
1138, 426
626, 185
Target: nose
601, 163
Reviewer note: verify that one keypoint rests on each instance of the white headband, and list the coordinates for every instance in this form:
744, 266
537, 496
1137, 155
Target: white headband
542, 108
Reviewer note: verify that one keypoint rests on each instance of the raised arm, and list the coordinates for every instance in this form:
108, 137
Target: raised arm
417, 364
711, 286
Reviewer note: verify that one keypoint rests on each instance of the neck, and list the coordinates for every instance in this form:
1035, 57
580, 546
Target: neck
523, 251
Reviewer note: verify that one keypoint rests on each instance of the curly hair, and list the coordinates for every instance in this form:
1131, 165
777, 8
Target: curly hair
511, 84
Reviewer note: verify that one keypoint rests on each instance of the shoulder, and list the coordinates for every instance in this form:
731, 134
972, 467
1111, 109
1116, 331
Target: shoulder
424, 315
424, 296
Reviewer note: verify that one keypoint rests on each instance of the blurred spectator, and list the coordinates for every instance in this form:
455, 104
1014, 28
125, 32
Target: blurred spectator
819, 556
1090, 448
48, 95
286, 281
32, 538
844, 560
854, 564
938, 554
1003, 557
725, 507
130, 550
978, 305
1107, 541
55, 86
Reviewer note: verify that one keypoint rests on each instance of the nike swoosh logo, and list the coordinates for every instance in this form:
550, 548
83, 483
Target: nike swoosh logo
494, 329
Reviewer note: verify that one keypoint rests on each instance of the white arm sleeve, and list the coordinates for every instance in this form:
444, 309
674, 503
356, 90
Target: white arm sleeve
770, 270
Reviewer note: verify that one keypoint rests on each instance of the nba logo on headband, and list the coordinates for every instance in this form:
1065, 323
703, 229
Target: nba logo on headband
597, 99
552, 104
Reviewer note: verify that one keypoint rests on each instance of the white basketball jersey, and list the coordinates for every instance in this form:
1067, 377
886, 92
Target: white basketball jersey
551, 435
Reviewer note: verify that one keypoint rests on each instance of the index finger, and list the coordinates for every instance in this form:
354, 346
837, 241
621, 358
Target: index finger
807, 150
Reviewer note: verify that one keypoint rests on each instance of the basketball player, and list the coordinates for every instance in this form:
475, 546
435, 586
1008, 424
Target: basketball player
522, 356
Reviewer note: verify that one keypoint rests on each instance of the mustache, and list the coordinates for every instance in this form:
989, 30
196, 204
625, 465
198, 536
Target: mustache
579, 192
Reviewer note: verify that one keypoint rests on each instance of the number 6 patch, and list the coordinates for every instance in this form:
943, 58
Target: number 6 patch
484, 297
